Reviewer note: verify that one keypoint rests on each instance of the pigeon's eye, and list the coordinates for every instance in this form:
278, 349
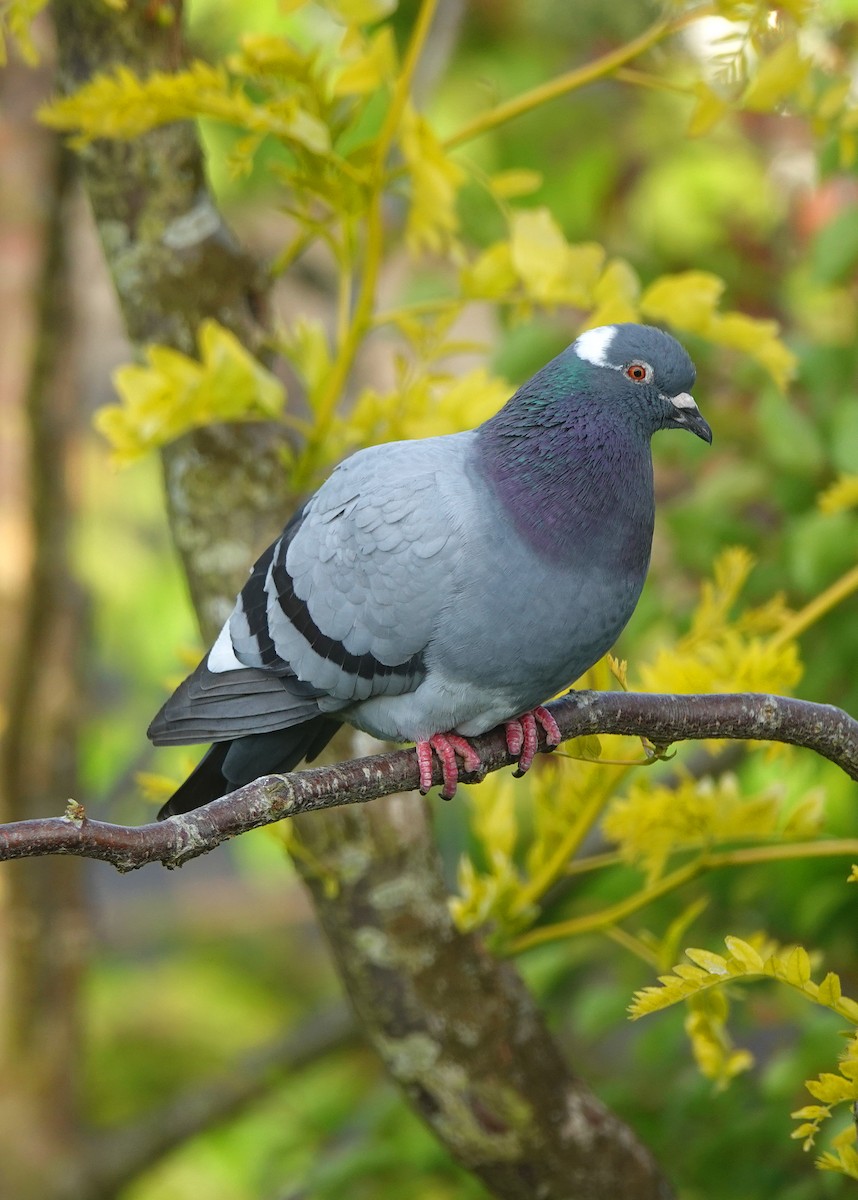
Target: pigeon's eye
638, 372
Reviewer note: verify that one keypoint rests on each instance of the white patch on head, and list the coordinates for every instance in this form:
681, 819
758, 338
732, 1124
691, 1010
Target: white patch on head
222, 654
683, 400
593, 345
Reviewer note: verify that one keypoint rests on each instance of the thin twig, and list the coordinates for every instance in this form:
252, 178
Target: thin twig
561, 85
829, 731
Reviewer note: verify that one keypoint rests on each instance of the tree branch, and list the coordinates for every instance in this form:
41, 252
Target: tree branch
829, 731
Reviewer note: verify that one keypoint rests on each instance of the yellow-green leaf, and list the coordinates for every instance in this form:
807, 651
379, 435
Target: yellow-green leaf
840, 495
491, 276
777, 77
802, 1131
507, 185
810, 1112
369, 69
361, 12
588, 747
744, 953
305, 343
435, 182
156, 788
264, 53
690, 300
615, 294
829, 990
832, 100
713, 964
652, 821
16, 20
686, 300
830, 1088
797, 966
551, 270
121, 105
708, 111
757, 338
537, 251
173, 393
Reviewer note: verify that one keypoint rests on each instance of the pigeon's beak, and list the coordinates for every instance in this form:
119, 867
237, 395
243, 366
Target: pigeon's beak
686, 415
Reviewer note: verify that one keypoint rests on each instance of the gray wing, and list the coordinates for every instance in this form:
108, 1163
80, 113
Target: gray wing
340, 608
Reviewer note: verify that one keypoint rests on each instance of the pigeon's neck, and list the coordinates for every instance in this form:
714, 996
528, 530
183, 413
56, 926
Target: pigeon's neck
574, 479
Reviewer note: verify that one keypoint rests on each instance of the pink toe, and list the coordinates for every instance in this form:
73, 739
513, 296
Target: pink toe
514, 737
531, 743
552, 732
424, 764
440, 743
470, 759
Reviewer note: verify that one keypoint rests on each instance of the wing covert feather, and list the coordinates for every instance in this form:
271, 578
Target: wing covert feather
352, 591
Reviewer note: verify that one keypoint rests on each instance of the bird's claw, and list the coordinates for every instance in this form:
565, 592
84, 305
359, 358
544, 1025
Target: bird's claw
522, 736
522, 740
446, 747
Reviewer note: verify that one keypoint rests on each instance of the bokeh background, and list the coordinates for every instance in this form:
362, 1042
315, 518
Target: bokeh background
188, 972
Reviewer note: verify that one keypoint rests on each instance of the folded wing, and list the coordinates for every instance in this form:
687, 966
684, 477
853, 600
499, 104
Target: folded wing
340, 608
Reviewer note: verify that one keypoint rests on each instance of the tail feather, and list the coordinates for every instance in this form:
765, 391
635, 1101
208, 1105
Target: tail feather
229, 765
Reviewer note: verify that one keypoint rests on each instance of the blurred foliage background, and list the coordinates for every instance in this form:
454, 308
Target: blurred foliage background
187, 971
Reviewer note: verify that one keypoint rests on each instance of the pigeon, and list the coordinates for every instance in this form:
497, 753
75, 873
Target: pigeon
433, 589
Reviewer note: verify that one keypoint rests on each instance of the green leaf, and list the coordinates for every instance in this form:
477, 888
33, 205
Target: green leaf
834, 254
844, 434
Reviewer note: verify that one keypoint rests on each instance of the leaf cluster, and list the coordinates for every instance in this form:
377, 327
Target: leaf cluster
711, 973
333, 95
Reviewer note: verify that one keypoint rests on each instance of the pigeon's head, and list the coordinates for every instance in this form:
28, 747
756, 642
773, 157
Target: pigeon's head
645, 369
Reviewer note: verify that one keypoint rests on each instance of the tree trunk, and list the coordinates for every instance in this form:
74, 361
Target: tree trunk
43, 918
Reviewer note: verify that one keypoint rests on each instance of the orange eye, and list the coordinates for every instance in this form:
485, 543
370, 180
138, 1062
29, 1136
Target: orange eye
637, 372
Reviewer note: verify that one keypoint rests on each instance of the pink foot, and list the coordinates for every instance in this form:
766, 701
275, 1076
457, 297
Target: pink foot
446, 746
522, 736
522, 740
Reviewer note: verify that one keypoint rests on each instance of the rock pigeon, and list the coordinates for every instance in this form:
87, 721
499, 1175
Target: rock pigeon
433, 589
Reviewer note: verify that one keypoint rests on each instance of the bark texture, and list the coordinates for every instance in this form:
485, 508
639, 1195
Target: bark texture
456, 1027
174, 262
43, 927
661, 719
